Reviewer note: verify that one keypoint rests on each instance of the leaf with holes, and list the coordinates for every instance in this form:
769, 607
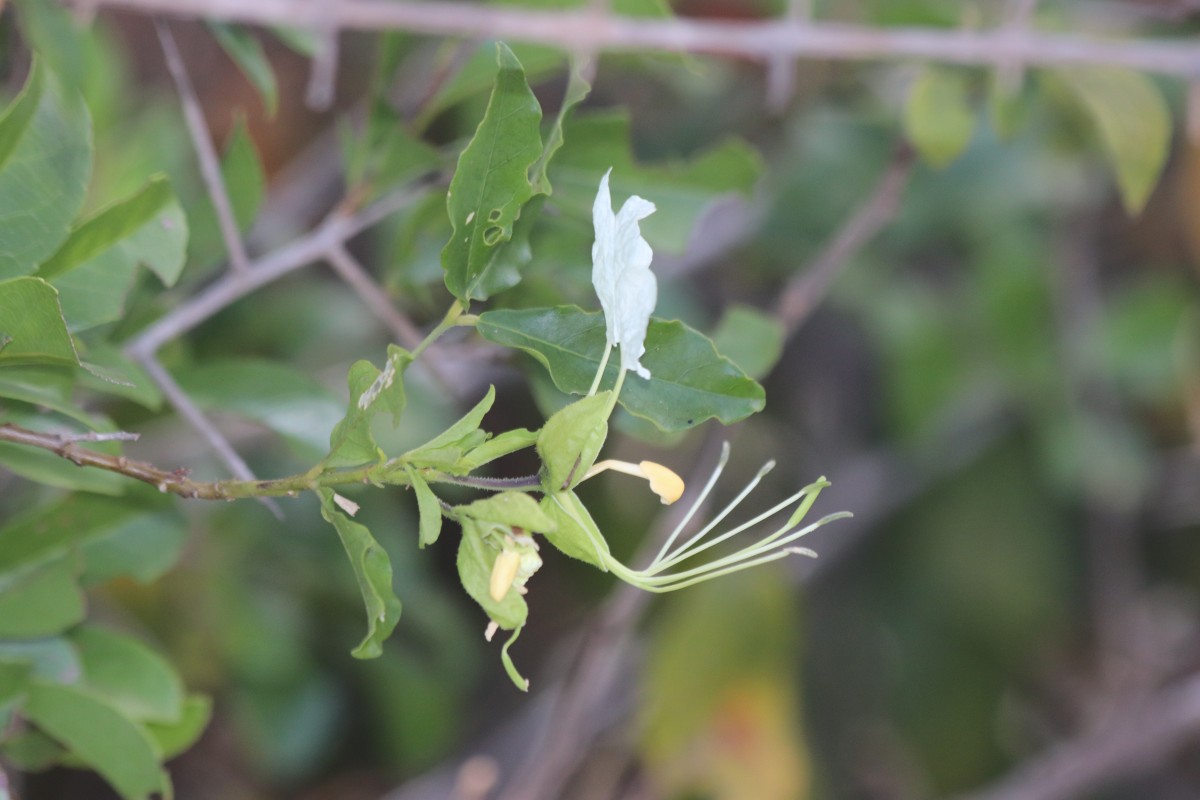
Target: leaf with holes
491, 184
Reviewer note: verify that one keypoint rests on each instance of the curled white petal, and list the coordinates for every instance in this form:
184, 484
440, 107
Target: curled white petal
621, 273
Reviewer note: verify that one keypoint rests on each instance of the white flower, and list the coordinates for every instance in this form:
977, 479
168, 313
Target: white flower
621, 274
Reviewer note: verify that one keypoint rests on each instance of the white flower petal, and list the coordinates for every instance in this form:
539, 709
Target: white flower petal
627, 289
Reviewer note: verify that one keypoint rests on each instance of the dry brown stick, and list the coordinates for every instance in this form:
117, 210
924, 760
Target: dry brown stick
808, 288
206, 153
1140, 737
582, 31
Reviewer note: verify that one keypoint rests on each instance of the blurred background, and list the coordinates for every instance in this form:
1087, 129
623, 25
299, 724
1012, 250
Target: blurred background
999, 372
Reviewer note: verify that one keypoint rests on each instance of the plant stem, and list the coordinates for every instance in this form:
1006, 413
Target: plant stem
452, 314
600, 372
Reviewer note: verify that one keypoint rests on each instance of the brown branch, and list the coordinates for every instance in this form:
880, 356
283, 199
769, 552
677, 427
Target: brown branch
206, 153
166, 481
808, 288
1138, 738
583, 30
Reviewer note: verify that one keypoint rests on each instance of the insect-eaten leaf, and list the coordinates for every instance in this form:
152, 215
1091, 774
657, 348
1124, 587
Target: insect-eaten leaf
491, 183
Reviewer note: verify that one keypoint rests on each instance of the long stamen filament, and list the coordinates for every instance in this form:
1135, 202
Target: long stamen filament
670, 583
684, 552
699, 501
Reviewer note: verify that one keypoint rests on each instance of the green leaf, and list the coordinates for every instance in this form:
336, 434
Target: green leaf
278, 396
476, 557
445, 450
52, 659
1134, 124
571, 439
100, 736
14, 677
134, 384
577, 89
515, 509
351, 442
129, 675
491, 182
171, 739
503, 444
94, 269
143, 549
749, 338
691, 382
245, 179
304, 41
938, 118
373, 571
575, 534
34, 321
244, 48
385, 154
682, 190
32, 751
429, 508
56, 38
43, 601
43, 387
45, 161
52, 531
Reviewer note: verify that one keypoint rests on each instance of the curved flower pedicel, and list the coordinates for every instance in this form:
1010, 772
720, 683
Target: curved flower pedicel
627, 289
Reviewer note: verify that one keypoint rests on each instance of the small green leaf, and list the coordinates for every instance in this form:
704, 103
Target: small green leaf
351, 442
491, 183
14, 677
571, 439
429, 508
938, 118
577, 89
45, 161
749, 338
34, 321
304, 41
373, 571
171, 739
134, 384
498, 447
100, 736
245, 179
95, 268
51, 659
385, 155
143, 549
42, 601
476, 556
56, 37
575, 534
51, 531
244, 48
690, 381
129, 675
446, 449
1134, 124
515, 509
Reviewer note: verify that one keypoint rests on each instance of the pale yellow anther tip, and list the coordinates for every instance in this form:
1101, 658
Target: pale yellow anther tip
663, 481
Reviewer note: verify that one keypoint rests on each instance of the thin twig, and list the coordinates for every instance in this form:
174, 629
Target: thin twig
808, 288
1140, 738
206, 153
1020, 13
373, 295
781, 70
187, 409
322, 79
581, 30
271, 267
